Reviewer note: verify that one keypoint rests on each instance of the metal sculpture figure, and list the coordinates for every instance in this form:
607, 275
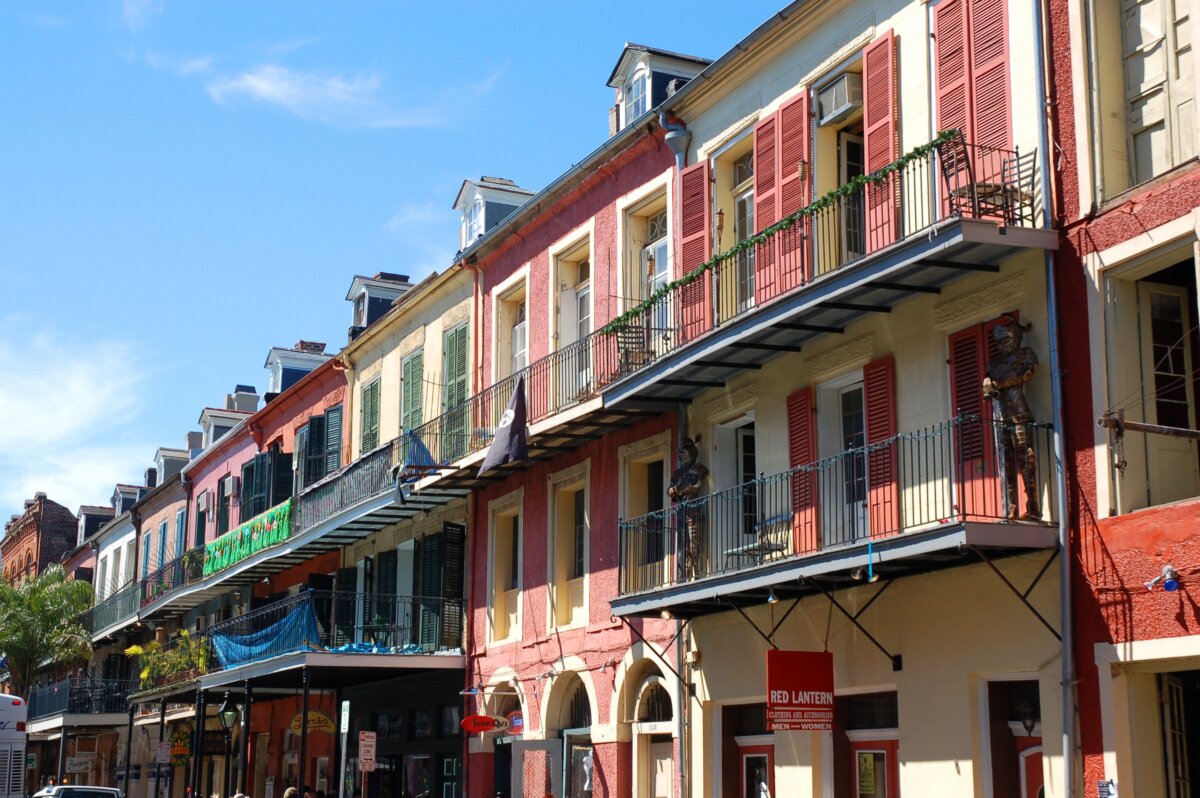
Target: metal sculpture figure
686, 482
1009, 369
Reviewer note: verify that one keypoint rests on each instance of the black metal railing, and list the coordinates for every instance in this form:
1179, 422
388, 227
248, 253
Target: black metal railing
960, 470
365, 478
120, 606
186, 569
79, 695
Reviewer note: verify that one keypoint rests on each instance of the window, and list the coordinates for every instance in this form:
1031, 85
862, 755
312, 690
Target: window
743, 228
635, 97
1152, 352
569, 545
1156, 54
201, 518
145, 555
454, 394
130, 547
102, 581
161, 557
369, 417
475, 221
266, 482
318, 447
519, 341
180, 532
224, 499
733, 172
506, 567
573, 322
360, 310
114, 574
511, 329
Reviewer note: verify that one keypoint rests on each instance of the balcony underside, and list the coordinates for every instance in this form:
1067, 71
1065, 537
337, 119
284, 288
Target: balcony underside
908, 554
76, 720
562, 432
922, 263
352, 524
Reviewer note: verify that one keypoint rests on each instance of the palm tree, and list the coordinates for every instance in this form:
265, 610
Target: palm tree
40, 626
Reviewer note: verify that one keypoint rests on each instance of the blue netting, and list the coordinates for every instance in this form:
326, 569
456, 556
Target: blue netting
296, 631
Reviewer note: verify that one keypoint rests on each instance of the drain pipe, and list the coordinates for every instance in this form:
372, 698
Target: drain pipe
1060, 487
678, 137
682, 690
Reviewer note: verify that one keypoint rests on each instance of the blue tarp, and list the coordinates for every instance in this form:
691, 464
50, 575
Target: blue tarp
419, 460
296, 631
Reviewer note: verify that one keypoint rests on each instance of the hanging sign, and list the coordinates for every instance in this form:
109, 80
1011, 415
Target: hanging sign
478, 724
366, 751
79, 764
181, 744
516, 723
799, 690
344, 716
260, 532
317, 721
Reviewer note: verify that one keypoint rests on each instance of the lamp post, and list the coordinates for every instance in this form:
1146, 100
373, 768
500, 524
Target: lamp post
228, 715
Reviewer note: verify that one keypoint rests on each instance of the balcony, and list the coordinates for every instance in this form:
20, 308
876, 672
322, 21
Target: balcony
183, 570
79, 696
113, 612
316, 629
910, 504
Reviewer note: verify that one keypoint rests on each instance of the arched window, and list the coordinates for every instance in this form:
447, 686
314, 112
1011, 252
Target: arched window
579, 712
654, 704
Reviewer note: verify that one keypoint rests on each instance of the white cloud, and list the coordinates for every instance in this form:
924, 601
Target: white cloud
138, 13
351, 101
183, 66
68, 403
423, 228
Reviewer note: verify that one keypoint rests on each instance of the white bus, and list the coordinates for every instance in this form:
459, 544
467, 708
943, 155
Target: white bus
13, 714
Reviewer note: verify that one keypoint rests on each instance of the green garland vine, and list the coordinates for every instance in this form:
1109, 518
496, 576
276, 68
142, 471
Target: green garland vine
818, 205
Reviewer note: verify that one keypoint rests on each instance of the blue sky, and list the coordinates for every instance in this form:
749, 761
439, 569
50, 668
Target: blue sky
184, 185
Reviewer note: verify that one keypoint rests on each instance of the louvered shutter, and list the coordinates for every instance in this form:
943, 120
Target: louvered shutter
802, 450
300, 444
368, 591
246, 500
431, 590
314, 452
883, 490
454, 554
344, 601
281, 477
971, 426
766, 204
952, 68
333, 439
695, 248
455, 371
385, 590
879, 135
369, 416
414, 376
792, 243
991, 96
262, 484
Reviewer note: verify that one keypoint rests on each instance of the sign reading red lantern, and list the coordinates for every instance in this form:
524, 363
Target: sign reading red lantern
799, 690
478, 724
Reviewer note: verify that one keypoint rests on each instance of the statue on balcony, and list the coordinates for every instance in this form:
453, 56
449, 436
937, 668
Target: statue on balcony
1009, 369
685, 486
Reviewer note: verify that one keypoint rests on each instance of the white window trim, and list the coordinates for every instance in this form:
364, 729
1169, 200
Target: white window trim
569, 243
643, 451
505, 505
581, 473
498, 295
629, 205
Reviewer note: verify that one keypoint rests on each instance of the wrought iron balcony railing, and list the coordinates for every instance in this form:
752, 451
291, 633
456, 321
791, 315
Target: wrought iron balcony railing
316, 620
363, 479
953, 472
79, 695
183, 570
120, 606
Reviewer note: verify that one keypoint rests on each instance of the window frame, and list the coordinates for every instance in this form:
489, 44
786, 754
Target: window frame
568, 482
504, 510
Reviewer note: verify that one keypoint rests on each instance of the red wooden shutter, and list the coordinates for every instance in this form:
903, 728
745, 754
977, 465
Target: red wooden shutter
766, 204
990, 91
971, 427
883, 489
952, 71
793, 191
879, 120
695, 248
802, 450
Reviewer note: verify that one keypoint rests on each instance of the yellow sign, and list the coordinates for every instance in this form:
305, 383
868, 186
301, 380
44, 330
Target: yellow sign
317, 721
866, 772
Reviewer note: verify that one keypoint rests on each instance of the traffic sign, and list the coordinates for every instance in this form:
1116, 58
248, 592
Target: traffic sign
162, 755
345, 716
366, 751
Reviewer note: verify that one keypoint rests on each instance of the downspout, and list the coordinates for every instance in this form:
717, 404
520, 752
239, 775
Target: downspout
476, 333
682, 690
1093, 100
1064, 530
678, 137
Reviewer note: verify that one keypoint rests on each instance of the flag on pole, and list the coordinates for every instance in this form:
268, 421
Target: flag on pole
509, 445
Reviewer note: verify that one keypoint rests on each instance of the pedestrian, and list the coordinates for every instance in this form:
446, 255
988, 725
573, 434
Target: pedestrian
291, 792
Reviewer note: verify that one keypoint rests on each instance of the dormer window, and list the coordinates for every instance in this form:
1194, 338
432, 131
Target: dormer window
360, 311
475, 220
635, 96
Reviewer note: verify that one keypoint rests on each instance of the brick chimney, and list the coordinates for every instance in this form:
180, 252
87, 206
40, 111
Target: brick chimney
311, 347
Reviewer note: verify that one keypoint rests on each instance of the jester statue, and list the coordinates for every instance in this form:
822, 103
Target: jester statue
684, 490
1009, 369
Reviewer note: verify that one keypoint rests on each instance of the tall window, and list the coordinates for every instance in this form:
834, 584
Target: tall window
635, 97
412, 401
506, 570
655, 266
519, 341
475, 221
180, 532
161, 557
369, 417
454, 394
318, 447
145, 555
569, 544
743, 227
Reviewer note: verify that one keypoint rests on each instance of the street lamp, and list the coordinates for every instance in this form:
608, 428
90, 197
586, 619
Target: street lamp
227, 713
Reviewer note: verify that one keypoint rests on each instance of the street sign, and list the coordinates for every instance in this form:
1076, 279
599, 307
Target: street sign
366, 751
162, 755
345, 716
31, 761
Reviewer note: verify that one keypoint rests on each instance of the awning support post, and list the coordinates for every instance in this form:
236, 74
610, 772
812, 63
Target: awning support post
245, 753
304, 730
691, 690
897, 660
1023, 596
162, 730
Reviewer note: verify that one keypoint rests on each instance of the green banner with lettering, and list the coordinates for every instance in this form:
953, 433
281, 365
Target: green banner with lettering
260, 532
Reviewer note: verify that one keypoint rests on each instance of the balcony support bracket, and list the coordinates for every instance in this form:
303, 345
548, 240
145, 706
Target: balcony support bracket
666, 663
897, 659
1023, 596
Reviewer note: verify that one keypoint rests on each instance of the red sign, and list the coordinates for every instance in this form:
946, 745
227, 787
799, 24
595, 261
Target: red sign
799, 690
516, 722
478, 724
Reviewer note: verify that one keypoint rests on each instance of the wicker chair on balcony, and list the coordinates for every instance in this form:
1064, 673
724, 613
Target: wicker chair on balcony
633, 341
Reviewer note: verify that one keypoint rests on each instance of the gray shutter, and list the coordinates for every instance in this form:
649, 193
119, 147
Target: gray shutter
454, 549
281, 477
431, 590
314, 454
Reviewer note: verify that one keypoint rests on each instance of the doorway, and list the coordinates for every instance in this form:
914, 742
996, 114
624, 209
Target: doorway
876, 773
757, 771
851, 164
842, 434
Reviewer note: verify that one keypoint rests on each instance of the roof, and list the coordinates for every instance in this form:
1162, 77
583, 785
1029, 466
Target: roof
498, 183
404, 301
632, 47
126, 486
95, 509
384, 280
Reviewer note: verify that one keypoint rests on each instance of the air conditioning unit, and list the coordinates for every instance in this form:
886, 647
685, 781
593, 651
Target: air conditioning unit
839, 99
202, 502
229, 486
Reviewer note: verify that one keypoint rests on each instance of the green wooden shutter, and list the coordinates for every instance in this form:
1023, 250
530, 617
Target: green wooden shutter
262, 484
368, 591
414, 377
333, 439
370, 417
314, 453
281, 477
454, 374
385, 590
431, 591
247, 497
301, 445
343, 611
454, 551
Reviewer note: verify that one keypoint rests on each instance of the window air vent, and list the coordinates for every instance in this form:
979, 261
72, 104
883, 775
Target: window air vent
229, 486
839, 99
